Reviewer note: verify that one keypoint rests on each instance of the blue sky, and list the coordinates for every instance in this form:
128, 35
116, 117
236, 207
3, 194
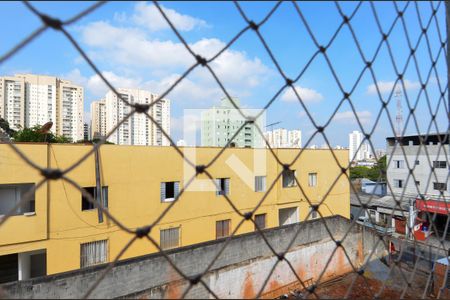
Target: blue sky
134, 47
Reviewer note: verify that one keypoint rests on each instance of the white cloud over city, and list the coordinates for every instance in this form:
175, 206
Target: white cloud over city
306, 94
348, 117
149, 61
387, 86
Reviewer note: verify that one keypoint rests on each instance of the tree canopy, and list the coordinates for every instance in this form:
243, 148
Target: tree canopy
377, 172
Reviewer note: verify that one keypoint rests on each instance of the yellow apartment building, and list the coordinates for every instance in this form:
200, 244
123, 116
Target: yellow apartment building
58, 230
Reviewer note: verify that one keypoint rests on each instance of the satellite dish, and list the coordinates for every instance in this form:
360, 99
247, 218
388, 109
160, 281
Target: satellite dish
46, 127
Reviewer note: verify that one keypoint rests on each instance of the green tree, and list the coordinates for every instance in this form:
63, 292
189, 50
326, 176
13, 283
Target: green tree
35, 134
4, 125
377, 172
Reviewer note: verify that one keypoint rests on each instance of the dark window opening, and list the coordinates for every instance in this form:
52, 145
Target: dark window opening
87, 205
289, 178
223, 185
169, 190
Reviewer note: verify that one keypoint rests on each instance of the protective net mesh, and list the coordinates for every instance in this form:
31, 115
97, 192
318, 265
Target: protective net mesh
426, 65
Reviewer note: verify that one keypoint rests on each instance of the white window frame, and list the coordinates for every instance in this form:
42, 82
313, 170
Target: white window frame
312, 179
399, 164
175, 231
260, 183
163, 194
227, 184
398, 183
94, 253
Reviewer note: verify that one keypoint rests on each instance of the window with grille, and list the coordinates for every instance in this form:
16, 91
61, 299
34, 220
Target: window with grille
440, 186
87, 205
223, 186
94, 253
289, 178
439, 164
260, 220
260, 183
223, 228
169, 238
312, 179
169, 190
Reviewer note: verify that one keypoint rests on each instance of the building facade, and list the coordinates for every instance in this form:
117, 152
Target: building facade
87, 132
138, 129
283, 138
59, 230
423, 157
27, 100
98, 119
219, 124
354, 142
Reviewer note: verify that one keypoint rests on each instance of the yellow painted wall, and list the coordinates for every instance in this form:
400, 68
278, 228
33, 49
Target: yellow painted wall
133, 175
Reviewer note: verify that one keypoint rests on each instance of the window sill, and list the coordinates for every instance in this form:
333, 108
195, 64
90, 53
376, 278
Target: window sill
168, 200
291, 186
29, 214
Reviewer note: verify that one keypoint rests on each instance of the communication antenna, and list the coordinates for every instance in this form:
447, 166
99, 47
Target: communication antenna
399, 117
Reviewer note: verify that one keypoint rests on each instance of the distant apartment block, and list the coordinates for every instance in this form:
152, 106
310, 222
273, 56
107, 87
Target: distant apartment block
425, 156
283, 138
219, 125
87, 132
138, 129
98, 119
27, 100
357, 150
354, 141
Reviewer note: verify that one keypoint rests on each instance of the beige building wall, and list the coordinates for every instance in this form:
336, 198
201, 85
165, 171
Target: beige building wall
12, 101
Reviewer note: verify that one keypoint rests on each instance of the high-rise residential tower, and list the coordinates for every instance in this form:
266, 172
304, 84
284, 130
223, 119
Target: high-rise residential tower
27, 100
283, 138
138, 129
98, 119
220, 123
354, 142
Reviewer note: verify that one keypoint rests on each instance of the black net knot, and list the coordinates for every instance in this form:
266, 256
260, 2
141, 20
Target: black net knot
52, 174
143, 231
52, 22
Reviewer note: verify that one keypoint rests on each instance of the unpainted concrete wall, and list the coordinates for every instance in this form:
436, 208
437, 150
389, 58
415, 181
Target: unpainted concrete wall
238, 272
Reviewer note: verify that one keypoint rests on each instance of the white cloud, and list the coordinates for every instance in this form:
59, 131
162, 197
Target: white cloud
164, 60
187, 91
76, 77
98, 88
148, 16
348, 117
387, 86
306, 94
131, 47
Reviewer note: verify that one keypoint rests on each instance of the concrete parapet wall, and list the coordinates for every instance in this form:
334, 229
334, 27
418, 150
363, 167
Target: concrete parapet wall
239, 271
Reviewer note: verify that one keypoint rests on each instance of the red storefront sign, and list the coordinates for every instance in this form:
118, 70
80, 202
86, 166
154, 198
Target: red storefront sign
439, 207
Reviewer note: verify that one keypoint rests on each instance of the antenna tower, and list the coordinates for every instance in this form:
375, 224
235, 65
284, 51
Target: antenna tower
399, 117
